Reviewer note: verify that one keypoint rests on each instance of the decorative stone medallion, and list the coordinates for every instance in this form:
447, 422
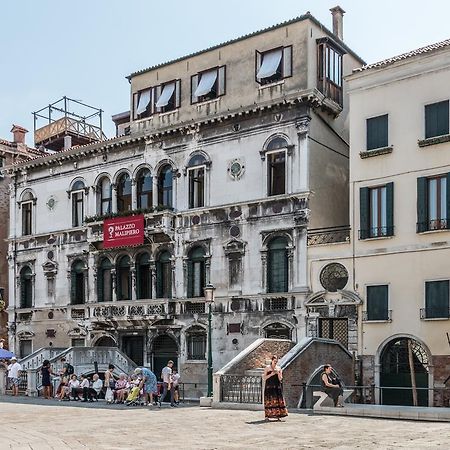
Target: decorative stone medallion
333, 277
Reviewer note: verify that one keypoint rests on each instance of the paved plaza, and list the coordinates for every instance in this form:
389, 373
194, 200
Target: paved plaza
57, 426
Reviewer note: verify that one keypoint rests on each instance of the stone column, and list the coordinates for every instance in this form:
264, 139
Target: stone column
152, 269
133, 194
114, 284
302, 125
133, 283
114, 197
155, 191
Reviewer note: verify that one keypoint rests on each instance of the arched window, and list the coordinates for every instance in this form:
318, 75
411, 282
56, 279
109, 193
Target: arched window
165, 186
276, 143
277, 265
144, 189
77, 288
77, 196
277, 331
26, 205
276, 166
144, 280
104, 281
26, 287
164, 276
196, 272
196, 343
196, 176
124, 193
123, 274
104, 196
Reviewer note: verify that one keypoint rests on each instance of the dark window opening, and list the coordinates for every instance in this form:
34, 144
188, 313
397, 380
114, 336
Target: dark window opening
104, 281
437, 299
196, 343
27, 214
197, 187
124, 193
144, 189
377, 132
196, 272
277, 266
276, 165
164, 276
330, 72
77, 208
165, 185
377, 302
436, 119
123, 280
77, 283
26, 288
104, 196
144, 285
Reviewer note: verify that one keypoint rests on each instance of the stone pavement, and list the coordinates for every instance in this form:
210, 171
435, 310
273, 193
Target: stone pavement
39, 424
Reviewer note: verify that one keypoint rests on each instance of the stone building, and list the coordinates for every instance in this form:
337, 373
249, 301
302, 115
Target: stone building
10, 152
236, 158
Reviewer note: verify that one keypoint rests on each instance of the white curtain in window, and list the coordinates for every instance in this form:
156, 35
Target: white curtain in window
271, 61
207, 81
144, 100
166, 95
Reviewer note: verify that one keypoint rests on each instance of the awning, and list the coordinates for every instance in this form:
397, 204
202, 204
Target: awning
144, 100
166, 95
271, 61
207, 81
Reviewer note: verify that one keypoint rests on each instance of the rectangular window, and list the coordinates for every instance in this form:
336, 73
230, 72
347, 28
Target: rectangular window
25, 347
77, 208
433, 198
329, 70
377, 132
234, 270
273, 65
76, 342
437, 299
197, 187
377, 302
436, 119
167, 96
142, 104
27, 209
276, 173
377, 211
208, 85
196, 344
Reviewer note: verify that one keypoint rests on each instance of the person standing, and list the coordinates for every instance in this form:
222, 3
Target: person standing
166, 375
110, 384
274, 404
149, 383
46, 372
175, 384
14, 369
331, 386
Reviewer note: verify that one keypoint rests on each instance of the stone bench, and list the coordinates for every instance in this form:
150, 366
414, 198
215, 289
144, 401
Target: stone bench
325, 401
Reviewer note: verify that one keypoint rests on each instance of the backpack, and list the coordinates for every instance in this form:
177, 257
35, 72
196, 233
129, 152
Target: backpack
69, 370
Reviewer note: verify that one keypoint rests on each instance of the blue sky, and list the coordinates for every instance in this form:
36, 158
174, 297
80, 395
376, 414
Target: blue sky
85, 48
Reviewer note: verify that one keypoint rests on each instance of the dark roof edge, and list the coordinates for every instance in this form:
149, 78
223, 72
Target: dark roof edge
306, 16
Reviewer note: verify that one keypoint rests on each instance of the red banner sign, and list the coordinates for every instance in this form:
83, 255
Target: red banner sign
123, 231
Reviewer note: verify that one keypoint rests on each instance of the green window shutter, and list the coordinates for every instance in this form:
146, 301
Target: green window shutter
436, 119
390, 209
422, 195
447, 216
364, 213
377, 302
377, 132
278, 271
437, 299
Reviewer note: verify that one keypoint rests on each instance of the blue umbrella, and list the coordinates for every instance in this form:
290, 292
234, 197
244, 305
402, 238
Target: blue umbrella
5, 354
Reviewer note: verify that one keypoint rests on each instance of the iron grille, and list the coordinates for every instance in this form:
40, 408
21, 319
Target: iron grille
276, 304
431, 225
195, 308
336, 329
329, 236
385, 316
241, 389
435, 313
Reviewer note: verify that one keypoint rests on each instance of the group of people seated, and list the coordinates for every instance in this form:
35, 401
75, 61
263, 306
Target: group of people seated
140, 387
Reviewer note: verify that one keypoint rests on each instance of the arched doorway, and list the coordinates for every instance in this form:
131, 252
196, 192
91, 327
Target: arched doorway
164, 348
404, 360
106, 341
277, 331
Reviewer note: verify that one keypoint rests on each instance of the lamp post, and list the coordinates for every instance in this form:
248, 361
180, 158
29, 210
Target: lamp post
209, 298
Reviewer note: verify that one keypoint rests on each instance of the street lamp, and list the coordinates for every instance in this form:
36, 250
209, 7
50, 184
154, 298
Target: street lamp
209, 298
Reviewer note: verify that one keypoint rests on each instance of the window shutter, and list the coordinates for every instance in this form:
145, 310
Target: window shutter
100, 288
364, 213
287, 61
73, 287
157, 92
442, 118
177, 93
257, 65
278, 271
447, 216
194, 84
390, 209
422, 194
190, 279
221, 81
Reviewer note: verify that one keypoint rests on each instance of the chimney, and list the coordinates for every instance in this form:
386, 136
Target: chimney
338, 21
19, 134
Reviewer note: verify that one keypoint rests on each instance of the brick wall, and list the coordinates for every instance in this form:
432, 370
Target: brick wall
441, 365
306, 363
257, 358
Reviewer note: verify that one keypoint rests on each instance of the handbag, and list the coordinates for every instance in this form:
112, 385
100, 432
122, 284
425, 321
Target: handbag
109, 396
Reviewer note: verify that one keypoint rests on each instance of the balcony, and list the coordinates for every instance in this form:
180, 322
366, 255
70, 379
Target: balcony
442, 313
276, 304
129, 311
379, 316
433, 225
377, 232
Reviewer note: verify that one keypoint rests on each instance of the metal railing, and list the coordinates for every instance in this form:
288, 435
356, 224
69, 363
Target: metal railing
241, 388
376, 232
384, 316
435, 313
192, 391
432, 225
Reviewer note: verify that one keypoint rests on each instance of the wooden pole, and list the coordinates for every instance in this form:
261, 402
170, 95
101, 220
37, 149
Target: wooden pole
412, 372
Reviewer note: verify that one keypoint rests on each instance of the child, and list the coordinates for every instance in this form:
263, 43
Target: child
175, 380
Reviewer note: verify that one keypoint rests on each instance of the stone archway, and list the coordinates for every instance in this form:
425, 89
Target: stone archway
277, 330
403, 360
164, 348
105, 341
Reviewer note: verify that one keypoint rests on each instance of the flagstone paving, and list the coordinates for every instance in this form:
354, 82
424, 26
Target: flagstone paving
52, 425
